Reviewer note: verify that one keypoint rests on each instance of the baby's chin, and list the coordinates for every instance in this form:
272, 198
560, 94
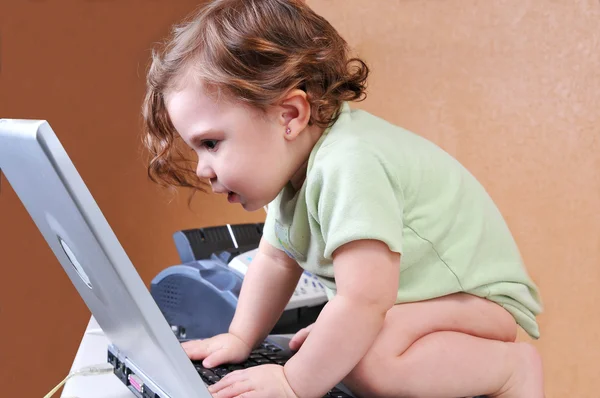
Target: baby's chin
250, 207
253, 205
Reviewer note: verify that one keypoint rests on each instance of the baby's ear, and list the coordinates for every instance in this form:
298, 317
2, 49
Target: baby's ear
295, 113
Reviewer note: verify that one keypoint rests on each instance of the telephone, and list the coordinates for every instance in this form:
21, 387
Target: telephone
198, 297
308, 293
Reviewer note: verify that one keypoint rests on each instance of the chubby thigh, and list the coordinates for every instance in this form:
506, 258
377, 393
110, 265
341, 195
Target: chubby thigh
407, 323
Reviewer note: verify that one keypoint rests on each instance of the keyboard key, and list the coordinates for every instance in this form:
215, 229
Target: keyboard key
337, 393
271, 347
221, 371
212, 379
205, 372
261, 351
275, 357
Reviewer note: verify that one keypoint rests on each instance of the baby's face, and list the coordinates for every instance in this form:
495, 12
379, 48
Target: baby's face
241, 151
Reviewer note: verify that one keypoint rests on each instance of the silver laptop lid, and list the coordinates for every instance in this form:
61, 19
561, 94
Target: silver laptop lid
46, 181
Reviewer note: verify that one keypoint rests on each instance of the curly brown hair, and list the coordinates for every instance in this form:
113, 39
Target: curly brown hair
255, 52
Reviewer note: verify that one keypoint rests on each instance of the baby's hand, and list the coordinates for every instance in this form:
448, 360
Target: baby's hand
264, 381
223, 348
298, 339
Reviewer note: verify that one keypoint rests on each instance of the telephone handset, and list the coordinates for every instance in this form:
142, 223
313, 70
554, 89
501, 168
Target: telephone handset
308, 293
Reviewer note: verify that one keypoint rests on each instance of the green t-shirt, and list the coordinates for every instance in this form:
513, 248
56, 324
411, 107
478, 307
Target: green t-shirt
369, 179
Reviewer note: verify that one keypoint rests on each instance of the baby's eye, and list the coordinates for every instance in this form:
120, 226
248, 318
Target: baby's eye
210, 144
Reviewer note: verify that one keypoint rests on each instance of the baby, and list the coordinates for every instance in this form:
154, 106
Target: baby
426, 284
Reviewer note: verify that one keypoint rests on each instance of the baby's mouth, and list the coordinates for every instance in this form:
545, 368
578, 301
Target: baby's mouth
232, 197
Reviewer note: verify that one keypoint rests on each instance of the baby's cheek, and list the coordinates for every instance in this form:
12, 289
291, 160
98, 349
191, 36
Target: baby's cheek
240, 179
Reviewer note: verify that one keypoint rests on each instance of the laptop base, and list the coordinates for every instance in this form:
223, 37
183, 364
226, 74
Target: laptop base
272, 351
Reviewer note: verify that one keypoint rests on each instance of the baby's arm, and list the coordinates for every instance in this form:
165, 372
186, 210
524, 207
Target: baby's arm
366, 275
268, 285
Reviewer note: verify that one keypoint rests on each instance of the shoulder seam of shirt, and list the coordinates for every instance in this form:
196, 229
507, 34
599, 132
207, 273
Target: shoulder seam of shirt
374, 151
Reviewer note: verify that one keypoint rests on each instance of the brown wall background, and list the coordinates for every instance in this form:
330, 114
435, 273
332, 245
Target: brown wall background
509, 87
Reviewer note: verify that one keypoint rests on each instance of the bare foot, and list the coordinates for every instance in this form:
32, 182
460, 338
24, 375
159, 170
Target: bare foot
527, 379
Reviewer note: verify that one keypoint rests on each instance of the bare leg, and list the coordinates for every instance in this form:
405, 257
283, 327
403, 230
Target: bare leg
455, 346
452, 365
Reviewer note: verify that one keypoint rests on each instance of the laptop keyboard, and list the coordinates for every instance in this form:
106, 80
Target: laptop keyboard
265, 354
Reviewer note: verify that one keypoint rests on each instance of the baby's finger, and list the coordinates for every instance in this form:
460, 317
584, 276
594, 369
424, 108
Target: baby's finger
299, 338
199, 349
249, 394
217, 357
196, 349
231, 390
227, 381
300, 335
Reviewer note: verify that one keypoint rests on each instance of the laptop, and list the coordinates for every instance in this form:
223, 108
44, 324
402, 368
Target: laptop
145, 353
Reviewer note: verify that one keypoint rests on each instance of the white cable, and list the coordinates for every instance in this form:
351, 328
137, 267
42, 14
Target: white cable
94, 370
94, 331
